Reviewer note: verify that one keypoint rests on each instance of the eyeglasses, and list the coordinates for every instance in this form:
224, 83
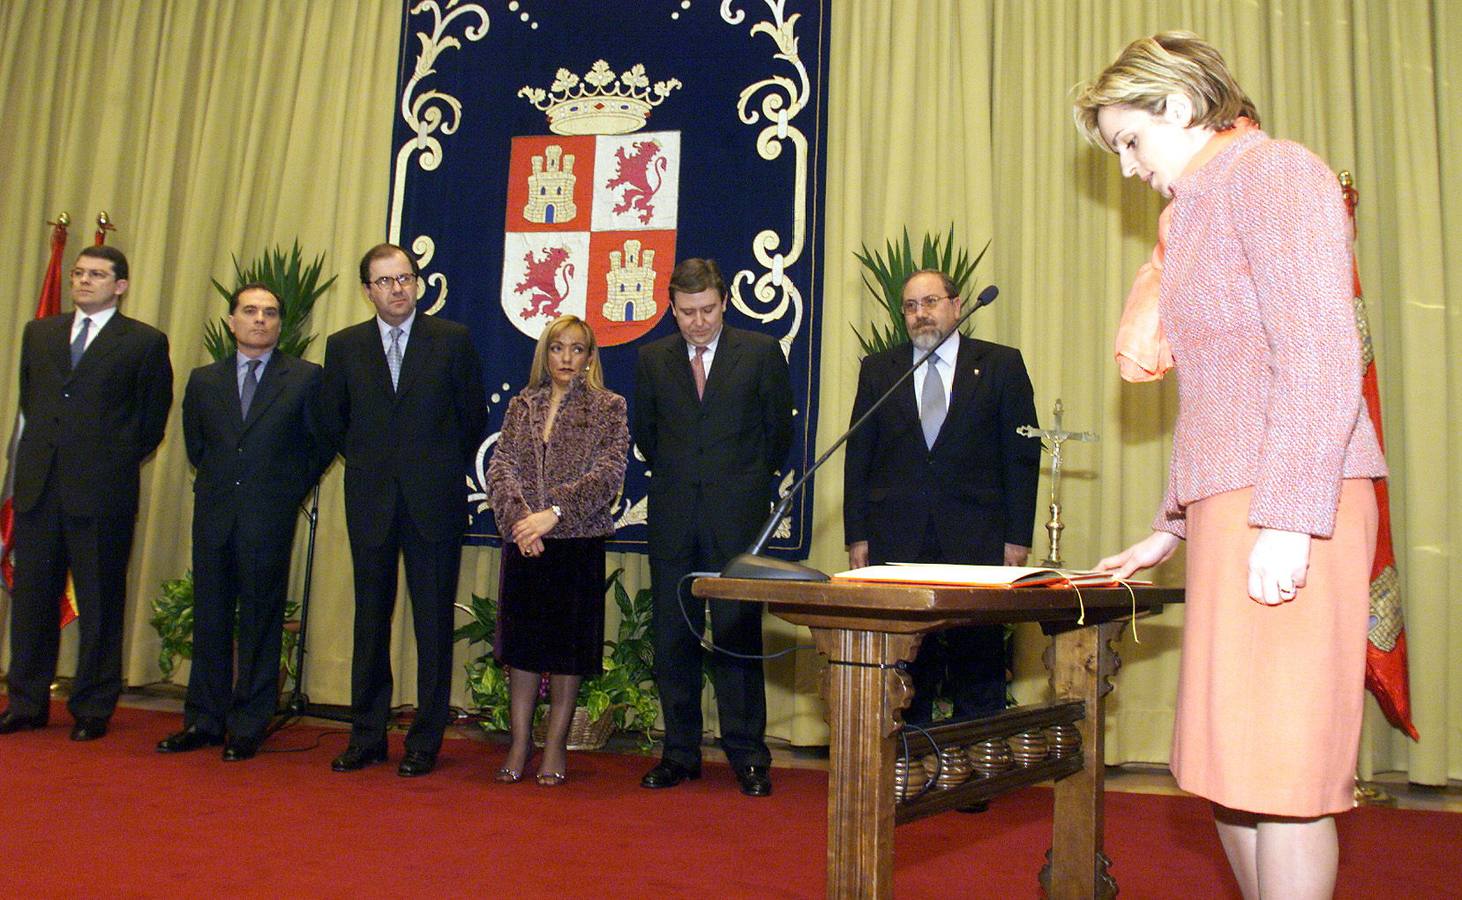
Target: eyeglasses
922, 303
405, 279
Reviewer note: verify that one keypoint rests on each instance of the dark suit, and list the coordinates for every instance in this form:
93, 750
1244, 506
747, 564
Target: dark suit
406, 457
252, 475
76, 487
714, 464
960, 502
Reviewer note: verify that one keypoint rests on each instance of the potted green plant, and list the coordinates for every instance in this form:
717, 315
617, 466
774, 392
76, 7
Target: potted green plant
885, 273
623, 697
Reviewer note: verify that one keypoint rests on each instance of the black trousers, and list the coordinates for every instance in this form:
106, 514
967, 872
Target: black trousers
739, 683
248, 579
431, 577
95, 550
967, 662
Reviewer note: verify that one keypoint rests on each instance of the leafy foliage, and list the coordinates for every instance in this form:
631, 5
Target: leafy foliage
884, 275
298, 286
626, 687
172, 619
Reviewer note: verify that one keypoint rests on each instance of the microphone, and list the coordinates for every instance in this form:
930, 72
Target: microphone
752, 564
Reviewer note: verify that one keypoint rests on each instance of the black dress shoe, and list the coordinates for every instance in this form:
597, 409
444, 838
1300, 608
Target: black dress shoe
12, 722
89, 729
190, 738
668, 773
756, 781
358, 756
417, 762
239, 749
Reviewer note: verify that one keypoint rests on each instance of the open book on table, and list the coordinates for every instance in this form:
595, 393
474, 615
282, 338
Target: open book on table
980, 576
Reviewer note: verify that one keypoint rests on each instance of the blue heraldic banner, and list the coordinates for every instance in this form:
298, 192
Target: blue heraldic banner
559, 156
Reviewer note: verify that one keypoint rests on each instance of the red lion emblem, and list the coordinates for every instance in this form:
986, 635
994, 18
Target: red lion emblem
543, 278
637, 171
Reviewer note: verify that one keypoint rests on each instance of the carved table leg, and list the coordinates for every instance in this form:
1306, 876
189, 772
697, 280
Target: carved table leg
864, 696
1081, 669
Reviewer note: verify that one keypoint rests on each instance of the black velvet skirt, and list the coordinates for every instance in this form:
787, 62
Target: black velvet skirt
551, 608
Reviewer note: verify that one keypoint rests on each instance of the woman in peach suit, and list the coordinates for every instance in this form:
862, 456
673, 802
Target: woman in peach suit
1273, 456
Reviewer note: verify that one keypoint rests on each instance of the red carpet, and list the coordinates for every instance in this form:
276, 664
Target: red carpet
189, 825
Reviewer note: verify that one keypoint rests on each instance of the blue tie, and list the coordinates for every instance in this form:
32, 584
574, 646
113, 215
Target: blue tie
78, 346
251, 384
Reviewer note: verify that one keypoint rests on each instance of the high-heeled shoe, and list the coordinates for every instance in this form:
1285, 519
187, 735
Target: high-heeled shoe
551, 779
508, 776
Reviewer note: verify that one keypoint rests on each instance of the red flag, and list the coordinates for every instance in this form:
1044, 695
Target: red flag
49, 304
1386, 672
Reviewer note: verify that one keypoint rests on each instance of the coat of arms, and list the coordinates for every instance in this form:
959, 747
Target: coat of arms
591, 211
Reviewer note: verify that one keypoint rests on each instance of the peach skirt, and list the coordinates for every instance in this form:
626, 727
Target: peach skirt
1270, 697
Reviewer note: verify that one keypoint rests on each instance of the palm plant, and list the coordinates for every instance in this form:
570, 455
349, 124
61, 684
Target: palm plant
296, 284
885, 273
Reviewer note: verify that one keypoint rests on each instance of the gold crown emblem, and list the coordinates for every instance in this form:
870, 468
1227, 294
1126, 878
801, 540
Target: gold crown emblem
600, 102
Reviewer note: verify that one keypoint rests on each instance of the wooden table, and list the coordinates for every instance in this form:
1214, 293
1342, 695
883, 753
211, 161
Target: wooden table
867, 630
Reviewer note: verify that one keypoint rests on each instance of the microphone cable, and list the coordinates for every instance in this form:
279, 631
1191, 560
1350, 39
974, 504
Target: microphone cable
682, 591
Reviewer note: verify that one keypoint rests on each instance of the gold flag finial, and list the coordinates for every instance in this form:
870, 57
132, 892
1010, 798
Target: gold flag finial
63, 219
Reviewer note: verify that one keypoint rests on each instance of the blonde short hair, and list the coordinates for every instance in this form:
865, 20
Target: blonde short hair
1151, 68
539, 375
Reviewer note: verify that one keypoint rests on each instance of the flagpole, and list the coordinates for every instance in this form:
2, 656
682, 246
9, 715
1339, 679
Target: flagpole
47, 304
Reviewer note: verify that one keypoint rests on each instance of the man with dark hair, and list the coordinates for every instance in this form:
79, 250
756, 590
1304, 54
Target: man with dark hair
713, 418
403, 402
95, 388
939, 475
250, 422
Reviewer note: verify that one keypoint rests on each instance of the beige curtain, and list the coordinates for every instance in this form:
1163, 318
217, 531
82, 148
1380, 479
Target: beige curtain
207, 129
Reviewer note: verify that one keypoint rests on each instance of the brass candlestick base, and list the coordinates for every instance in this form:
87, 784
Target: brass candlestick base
1053, 531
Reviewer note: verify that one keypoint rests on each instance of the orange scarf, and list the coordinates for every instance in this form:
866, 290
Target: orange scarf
1142, 351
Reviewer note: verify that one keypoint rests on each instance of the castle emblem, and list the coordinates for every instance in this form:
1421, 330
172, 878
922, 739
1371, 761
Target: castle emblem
551, 188
630, 283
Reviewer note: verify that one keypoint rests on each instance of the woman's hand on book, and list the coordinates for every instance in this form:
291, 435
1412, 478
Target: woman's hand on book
1156, 548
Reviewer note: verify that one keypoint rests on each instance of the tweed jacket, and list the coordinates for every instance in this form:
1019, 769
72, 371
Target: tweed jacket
1257, 302
580, 468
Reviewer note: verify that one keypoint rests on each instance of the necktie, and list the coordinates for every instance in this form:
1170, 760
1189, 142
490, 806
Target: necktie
78, 346
932, 405
251, 384
393, 357
698, 369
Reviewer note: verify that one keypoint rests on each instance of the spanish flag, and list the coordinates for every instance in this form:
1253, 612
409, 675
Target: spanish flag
1386, 671
49, 304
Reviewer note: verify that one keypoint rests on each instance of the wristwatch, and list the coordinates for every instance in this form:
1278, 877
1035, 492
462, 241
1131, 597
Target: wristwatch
557, 512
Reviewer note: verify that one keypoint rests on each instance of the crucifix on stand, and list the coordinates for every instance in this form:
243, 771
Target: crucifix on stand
1051, 440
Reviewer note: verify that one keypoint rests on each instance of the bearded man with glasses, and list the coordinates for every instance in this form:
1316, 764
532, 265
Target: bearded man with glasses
938, 475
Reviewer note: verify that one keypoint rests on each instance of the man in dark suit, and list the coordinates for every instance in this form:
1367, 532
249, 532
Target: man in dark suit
403, 402
95, 387
250, 424
939, 475
713, 418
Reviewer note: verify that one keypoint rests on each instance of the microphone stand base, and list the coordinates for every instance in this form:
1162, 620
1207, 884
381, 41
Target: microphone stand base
767, 568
